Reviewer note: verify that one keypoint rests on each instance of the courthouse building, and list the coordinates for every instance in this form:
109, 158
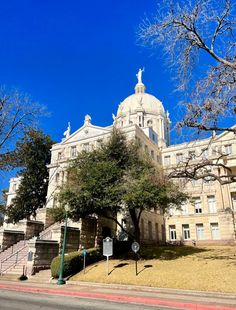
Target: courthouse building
210, 214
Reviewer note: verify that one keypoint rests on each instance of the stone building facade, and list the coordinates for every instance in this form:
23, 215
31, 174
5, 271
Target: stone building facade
208, 217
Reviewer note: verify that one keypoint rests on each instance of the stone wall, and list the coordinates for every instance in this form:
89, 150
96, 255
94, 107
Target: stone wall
72, 239
10, 237
44, 215
40, 255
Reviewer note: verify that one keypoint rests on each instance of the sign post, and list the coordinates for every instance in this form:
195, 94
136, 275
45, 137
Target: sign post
84, 255
135, 248
108, 250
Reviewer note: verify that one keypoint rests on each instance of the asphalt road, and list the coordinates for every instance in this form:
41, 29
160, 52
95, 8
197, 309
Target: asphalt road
11, 300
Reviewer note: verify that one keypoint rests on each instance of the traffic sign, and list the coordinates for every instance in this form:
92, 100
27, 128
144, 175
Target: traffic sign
135, 247
108, 246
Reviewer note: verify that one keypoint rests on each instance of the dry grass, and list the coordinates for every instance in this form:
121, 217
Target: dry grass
206, 269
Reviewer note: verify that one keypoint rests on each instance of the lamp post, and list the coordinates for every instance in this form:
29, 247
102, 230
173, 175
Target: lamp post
60, 280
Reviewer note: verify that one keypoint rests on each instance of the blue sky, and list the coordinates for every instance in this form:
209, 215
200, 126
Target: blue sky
78, 57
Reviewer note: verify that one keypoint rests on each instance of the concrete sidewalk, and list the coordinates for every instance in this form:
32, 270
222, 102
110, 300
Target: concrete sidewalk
180, 299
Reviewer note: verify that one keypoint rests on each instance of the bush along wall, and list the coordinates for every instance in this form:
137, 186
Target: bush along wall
73, 262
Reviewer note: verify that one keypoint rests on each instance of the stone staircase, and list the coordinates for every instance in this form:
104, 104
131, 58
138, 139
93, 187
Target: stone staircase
14, 259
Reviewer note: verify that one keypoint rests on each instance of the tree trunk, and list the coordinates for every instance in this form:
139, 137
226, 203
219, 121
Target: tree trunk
135, 221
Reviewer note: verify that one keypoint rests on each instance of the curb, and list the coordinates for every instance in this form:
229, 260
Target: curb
116, 298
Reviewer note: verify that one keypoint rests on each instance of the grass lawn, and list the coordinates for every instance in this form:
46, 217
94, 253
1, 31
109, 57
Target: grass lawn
211, 268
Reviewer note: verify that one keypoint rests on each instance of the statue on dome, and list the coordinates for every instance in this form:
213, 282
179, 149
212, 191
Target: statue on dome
139, 75
67, 132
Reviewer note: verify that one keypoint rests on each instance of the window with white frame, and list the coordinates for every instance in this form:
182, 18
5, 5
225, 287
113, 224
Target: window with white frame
233, 202
197, 205
57, 177
86, 147
184, 209
179, 157
73, 151
172, 231
59, 155
215, 233
186, 231
228, 149
167, 160
152, 154
211, 204
200, 231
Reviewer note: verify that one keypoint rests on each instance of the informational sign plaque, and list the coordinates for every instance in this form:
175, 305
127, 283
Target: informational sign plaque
108, 246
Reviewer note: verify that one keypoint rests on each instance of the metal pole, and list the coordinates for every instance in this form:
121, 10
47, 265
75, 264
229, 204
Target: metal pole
60, 280
136, 264
84, 264
107, 265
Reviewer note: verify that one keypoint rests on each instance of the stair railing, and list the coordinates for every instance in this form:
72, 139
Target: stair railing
15, 261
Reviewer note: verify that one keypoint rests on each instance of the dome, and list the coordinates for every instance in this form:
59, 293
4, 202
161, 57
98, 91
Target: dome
141, 101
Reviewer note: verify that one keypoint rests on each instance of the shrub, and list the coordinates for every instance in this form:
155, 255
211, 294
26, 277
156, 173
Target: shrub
73, 262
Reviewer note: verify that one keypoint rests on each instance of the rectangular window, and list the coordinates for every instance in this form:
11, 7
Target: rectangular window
150, 230
57, 177
179, 158
186, 232
59, 156
167, 160
184, 209
215, 234
197, 205
73, 151
200, 231
211, 204
142, 228
228, 149
234, 202
172, 231
86, 147
152, 154
146, 148
157, 231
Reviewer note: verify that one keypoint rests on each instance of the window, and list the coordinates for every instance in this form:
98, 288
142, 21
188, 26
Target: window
200, 231
57, 177
62, 177
142, 228
73, 151
14, 187
211, 204
59, 155
186, 232
152, 154
157, 231
150, 230
179, 158
86, 147
197, 205
146, 148
184, 209
234, 202
215, 234
204, 153
172, 231
228, 149
167, 160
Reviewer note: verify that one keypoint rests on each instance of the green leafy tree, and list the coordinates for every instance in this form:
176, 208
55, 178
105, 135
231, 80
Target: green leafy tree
32, 154
117, 177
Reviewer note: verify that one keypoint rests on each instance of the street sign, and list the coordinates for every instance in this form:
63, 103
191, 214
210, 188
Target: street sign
108, 246
135, 247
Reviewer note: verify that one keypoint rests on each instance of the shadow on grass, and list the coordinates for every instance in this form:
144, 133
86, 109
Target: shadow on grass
118, 266
144, 268
168, 252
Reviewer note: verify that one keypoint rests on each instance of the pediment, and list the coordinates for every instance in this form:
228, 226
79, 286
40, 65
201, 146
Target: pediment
87, 131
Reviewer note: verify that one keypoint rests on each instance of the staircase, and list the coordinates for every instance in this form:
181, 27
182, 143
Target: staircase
13, 259
43, 276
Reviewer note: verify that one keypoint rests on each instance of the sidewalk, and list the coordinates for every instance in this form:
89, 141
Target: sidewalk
181, 299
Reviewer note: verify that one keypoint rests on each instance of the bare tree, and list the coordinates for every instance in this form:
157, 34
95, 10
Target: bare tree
199, 35
18, 113
190, 31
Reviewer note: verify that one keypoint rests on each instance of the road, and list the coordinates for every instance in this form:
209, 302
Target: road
11, 300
